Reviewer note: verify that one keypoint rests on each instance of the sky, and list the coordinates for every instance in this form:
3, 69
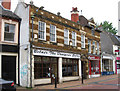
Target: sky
100, 10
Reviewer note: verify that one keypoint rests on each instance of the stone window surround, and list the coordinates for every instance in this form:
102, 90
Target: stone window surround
3, 28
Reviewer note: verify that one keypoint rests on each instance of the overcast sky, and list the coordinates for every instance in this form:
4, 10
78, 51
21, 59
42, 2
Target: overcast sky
100, 10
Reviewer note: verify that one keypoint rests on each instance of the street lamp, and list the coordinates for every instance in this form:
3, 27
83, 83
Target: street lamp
31, 51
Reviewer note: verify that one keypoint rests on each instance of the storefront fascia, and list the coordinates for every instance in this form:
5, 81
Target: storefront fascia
94, 66
60, 56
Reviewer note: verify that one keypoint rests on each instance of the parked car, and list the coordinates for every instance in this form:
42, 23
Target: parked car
7, 85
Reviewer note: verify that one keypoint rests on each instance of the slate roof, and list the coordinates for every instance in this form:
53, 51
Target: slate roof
7, 13
108, 40
115, 39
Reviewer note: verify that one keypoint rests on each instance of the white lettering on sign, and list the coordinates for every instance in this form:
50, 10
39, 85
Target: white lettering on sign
55, 54
93, 58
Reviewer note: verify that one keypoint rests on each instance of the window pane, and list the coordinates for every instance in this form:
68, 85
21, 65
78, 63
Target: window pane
9, 32
41, 29
52, 32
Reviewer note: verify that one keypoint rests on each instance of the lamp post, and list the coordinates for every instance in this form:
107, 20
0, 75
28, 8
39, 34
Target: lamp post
31, 51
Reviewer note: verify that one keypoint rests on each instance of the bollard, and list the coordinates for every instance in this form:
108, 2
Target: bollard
82, 79
55, 82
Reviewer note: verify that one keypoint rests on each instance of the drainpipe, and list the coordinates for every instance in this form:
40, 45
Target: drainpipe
19, 53
31, 53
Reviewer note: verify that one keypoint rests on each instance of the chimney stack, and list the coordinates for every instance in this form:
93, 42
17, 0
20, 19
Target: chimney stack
74, 15
6, 4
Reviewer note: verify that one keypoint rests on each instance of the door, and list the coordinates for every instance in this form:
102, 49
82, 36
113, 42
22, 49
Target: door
54, 70
84, 69
9, 68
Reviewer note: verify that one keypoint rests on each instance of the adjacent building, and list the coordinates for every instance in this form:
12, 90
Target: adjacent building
110, 53
9, 43
54, 47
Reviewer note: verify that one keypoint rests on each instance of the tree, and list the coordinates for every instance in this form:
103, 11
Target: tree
106, 26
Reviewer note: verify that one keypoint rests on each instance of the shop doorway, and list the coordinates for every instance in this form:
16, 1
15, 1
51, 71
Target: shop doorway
84, 63
9, 68
54, 70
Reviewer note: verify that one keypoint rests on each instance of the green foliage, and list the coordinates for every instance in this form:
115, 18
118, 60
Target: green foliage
108, 27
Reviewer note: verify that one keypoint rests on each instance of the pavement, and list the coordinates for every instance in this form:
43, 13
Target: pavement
111, 82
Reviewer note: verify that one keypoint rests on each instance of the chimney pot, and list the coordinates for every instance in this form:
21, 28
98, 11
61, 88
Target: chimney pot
58, 13
74, 15
6, 4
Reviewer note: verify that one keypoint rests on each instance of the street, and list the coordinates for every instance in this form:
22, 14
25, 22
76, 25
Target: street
111, 82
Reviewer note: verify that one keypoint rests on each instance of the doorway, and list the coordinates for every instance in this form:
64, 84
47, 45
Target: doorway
9, 68
54, 70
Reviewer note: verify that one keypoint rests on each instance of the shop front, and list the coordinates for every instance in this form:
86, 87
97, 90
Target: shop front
108, 65
94, 66
49, 65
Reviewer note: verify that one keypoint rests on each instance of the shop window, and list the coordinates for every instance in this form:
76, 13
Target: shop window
66, 37
94, 67
107, 65
69, 67
118, 66
42, 30
41, 67
52, 33
9, 32
73, 38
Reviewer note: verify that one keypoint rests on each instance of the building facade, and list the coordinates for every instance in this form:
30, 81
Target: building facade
9, 43
110, 53
54, 47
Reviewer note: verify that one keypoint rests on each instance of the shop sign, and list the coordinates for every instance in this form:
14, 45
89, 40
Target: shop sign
117, 58
55, 54
116, 50
93, 58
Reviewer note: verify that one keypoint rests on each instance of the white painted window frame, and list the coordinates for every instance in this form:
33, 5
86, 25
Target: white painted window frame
98, 51
89, 43
94, 49
67, 37
74, 38
3, 29
82, 41
44, 30
54, 33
